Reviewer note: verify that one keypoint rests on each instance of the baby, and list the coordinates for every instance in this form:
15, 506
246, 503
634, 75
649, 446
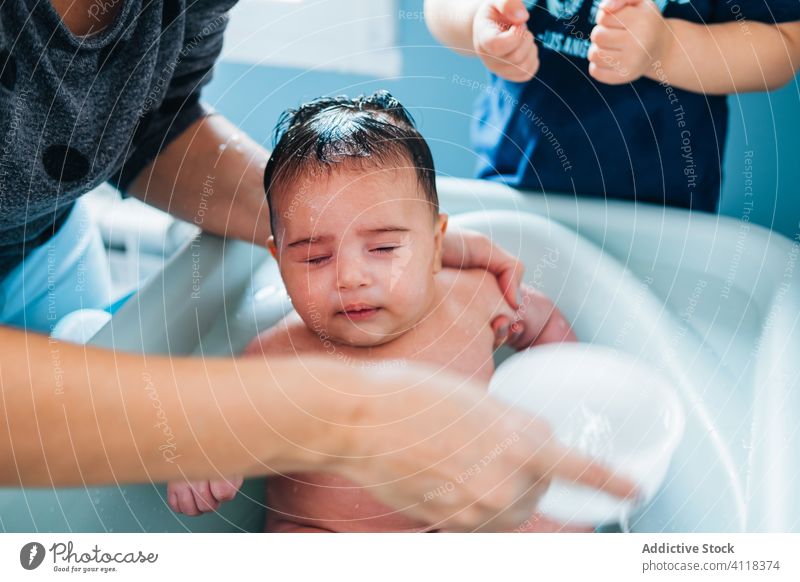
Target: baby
357, 234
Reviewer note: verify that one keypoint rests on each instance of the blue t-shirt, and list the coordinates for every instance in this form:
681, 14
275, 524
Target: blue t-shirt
565, 132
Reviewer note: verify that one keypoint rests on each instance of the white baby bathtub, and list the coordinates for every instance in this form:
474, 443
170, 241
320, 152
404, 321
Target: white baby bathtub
708, 303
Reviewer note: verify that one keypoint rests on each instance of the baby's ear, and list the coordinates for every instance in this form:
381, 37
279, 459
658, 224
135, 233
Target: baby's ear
272, 248
439, 231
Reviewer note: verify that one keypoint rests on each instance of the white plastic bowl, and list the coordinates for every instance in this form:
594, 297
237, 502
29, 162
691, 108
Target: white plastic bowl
605, 404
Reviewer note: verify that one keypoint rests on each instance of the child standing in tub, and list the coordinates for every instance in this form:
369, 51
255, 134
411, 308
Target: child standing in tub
358, 237
621, 99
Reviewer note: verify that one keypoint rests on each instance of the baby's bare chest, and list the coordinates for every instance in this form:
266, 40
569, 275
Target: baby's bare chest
460, 343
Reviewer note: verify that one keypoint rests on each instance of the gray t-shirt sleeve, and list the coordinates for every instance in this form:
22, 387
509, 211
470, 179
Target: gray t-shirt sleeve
163, 120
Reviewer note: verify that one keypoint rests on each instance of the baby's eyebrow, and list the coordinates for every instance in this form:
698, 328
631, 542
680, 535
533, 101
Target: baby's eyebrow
389, 228
308, 241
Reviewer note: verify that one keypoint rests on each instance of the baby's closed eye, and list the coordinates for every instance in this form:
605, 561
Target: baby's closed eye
385, 249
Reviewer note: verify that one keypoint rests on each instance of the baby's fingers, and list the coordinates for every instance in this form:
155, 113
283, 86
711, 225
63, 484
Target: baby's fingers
612, 6
181, 499
513, 11
501, 44
609, 38
203, 497
225, 489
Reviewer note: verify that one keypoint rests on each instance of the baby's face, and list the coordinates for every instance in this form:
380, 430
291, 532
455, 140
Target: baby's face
358, 252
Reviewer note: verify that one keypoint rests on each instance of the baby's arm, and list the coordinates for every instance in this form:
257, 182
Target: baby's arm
632, 39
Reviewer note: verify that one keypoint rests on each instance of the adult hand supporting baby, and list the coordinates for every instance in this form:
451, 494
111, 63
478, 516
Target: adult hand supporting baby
467, 249
438, 447
536, 321
629, 37
503, 42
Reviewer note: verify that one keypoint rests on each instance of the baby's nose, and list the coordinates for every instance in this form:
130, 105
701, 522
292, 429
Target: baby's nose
352, 274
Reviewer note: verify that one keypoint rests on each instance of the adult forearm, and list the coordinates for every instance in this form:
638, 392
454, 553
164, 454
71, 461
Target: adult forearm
211, 175
727, 58
75, 415
450, 21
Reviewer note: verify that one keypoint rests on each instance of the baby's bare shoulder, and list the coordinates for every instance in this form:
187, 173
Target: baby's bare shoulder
289, 336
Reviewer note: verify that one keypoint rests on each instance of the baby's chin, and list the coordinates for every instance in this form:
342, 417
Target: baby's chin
361, 335
361, 338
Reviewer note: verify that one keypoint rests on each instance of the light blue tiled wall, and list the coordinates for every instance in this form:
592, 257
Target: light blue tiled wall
766, 125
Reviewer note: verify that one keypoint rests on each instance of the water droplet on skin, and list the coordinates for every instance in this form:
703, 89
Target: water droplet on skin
238, 147
222, 147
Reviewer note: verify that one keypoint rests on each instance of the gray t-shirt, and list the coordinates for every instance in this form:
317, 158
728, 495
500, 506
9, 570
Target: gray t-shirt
78, 111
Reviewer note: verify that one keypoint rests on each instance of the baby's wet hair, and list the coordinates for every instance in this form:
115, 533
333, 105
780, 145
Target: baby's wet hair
365, 132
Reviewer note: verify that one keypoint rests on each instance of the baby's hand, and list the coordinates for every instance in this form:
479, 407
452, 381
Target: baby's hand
537, 321
198, 497
502, 40
612, 6
629, 37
